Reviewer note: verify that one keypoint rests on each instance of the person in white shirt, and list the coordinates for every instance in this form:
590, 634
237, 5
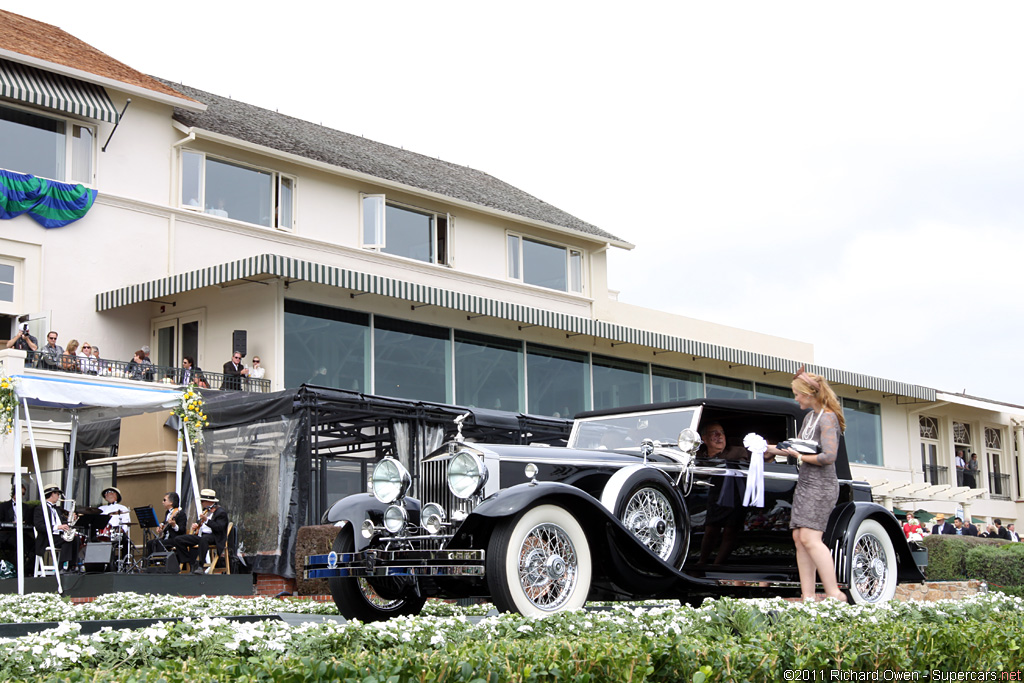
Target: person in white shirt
257, 371
117, 528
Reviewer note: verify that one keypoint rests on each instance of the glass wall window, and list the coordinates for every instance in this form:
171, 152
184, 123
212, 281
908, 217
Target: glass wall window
772, 391
671, 384
488, 372
619, 383
231, 190
411, 360
40, 146
863, 431
326, 346
391, 228
726, 387
557, 381
544, 265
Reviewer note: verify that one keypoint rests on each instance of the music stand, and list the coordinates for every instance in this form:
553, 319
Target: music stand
147, 522
92, 522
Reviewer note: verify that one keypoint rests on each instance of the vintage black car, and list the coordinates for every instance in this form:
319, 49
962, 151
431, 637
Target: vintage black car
632, 509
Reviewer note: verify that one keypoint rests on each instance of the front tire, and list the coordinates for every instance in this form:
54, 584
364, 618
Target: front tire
873, 565
538, 563
357, 599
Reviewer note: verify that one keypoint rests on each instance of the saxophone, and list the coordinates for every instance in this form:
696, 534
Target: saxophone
71, 532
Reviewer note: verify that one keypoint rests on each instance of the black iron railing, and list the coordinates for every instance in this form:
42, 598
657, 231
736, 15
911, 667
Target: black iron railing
999, 485
142, 372
934, 474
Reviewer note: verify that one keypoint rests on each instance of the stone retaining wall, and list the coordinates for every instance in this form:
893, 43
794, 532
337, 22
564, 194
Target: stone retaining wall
930, 591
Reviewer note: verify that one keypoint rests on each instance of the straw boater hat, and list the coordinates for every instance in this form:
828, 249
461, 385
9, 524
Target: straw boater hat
51, 489
940, 517
208, 494
103, 493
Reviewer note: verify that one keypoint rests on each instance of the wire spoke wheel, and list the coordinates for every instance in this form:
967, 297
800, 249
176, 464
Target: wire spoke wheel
873, 569
649, 515
548, 567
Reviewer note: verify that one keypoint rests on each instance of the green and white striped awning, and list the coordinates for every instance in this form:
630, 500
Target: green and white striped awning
270, 265
54, 91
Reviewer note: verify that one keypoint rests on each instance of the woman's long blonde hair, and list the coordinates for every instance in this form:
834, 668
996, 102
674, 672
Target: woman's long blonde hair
822, 393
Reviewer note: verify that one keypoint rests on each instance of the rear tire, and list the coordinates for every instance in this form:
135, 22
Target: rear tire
646, 505
873, 566
357, 599
538, 563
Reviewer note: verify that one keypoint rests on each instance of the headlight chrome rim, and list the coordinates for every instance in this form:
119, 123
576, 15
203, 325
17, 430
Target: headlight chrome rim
689, 441
432, 518
395, 518
390, 480
467, 474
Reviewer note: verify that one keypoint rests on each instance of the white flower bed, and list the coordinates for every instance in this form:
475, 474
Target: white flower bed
201, 636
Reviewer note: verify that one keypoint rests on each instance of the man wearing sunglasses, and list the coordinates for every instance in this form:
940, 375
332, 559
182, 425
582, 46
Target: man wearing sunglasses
234, 371
52, 352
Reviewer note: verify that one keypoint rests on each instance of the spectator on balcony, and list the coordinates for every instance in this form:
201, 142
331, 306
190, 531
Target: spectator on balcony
190, 373
23, 341
52, 352
88, 363
100, 365
234, 371
257, 371
69, 362
139, 367
971, 475
961, 468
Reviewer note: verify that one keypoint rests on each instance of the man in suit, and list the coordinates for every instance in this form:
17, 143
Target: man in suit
1013, 533
1001, 531
9, 534
234, 371
970, 529
212, 527
47, 511
941, 526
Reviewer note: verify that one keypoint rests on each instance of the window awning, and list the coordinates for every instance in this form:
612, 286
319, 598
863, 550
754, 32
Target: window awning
54, 91
272, 265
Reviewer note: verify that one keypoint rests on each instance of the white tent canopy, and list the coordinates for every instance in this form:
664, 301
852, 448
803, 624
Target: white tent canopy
85, 399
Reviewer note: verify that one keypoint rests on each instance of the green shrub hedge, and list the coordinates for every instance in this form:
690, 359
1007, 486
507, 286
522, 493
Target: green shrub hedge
947, 558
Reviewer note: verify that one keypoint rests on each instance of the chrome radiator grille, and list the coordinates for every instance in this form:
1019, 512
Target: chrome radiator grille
433, 487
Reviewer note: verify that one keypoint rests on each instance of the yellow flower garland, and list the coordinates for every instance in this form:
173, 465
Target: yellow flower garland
190, 412
8, 404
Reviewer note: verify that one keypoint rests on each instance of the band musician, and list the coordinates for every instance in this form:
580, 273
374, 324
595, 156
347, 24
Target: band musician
68, 550
12, 519
211, 527
117, 529
175, 524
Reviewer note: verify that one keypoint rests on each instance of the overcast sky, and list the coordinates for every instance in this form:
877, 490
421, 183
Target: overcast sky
846, 174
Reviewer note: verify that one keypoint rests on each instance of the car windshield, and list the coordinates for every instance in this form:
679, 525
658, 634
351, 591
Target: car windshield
613, 432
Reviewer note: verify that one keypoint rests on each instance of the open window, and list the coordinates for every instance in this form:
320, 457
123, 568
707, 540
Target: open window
543, 264
228, 189
393, 228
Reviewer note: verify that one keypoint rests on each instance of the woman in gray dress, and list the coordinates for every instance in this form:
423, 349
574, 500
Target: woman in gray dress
817, 486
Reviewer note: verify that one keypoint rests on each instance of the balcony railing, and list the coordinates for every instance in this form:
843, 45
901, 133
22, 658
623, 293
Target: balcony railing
934, 474
999, 485
145, 372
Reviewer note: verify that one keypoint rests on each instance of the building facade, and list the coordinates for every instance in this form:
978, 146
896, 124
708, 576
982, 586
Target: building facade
352, 264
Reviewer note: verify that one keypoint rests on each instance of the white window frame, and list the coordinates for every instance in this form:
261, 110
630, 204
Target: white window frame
514, 263
14, 306
70, 126
378, 242
278, 179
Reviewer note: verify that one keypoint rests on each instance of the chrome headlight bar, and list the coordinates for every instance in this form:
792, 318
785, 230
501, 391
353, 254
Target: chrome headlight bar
467, 474
390, 480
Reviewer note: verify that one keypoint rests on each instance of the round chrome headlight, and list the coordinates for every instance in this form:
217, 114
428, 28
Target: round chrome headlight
390, 480
467, 474
432, 518
689, 441
395, 518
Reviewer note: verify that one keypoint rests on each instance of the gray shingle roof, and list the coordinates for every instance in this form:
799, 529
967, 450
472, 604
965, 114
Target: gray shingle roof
302, 138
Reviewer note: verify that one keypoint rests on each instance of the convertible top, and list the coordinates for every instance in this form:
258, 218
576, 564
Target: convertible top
744, 405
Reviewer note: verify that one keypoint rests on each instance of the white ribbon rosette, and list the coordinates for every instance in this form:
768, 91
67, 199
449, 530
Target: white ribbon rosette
754, 496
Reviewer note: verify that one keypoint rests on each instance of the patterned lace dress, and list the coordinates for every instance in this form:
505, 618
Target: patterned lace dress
817, 487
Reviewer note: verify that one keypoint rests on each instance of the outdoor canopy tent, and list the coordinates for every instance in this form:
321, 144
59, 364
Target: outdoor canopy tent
83, 399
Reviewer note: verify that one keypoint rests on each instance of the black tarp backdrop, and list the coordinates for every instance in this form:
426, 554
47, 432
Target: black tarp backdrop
265, 454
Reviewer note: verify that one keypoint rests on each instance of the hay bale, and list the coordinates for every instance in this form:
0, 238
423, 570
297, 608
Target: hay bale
312, 540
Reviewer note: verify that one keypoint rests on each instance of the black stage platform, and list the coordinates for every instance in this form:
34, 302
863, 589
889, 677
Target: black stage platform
94, 585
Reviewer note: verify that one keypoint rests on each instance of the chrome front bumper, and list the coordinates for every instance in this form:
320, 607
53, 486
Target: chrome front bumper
373, 562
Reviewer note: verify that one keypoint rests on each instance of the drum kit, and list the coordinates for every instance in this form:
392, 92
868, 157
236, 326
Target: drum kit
107, 547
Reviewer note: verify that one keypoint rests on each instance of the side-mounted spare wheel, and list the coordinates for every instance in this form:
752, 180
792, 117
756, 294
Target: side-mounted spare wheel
538, 562
385, 598
872, 565
642, 499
